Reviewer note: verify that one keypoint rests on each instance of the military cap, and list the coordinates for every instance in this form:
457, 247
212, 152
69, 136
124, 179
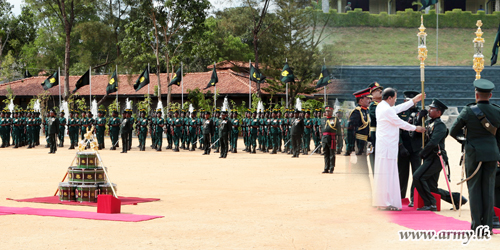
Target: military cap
436, 103
483, 85
308, 111
158, 110
374, 85
410, 94
217, 110
327, 107
362, 93
297, 111
176, 111
194, 111
207, 112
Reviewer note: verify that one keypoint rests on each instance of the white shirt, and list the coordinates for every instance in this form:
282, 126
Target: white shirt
388, 125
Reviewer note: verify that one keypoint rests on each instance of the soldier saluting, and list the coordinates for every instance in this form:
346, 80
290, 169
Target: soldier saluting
480, 121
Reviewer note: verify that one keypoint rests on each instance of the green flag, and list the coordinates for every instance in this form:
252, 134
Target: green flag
112, 84
324, 77
176, 79
427, 3
495, 48
213, 80
287, 74
142, 81
255, 75
84, 80
51, 81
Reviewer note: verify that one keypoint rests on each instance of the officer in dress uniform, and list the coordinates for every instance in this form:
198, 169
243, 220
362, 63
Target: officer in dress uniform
244, 130
215, 139
480, 121
287, 145
208, 130
426, 177
38, 123
410, 144
329, 128
376, 95
358, 124
224, 130
280, 129
100, 128
296, 132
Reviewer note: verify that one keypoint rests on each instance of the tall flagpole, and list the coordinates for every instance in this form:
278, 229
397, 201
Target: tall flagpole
286, 89
59, 80
249, 84
90, 83
182, 87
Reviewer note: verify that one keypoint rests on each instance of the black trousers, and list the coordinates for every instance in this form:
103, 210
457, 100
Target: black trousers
497, 189
52, 143
125, 142
404, 163
295, 145
206, 143
223, 140
481, 191
329, 151
424, 178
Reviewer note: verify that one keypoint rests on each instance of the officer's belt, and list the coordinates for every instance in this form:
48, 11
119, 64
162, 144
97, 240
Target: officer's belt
483, 119
361, 137
332, 135
373, 129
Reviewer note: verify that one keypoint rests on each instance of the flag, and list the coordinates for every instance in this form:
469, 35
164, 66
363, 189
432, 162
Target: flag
324, 77
495, 48
27, 74
142, 81
176, 79
84, 80
287, 74
113, 84
427, 3
213, 80
51, 81
255, 75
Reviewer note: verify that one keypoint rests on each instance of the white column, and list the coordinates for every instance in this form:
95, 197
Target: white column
497, 5
388, 6
339, 6
325, 6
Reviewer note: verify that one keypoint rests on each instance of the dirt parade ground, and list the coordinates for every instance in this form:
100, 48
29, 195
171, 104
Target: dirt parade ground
245, 201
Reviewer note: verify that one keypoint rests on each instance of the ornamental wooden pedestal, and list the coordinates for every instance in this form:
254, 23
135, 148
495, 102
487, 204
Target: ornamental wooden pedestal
108, 204
418, 202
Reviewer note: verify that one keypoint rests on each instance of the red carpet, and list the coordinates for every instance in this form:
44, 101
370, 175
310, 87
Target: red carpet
55, 200
76, 214
427, 220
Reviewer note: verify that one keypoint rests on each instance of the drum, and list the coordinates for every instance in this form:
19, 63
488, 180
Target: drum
67, 192
106, 188
86, 160
86, 193
85, 176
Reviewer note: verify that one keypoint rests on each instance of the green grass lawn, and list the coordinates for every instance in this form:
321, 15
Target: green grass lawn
398, 46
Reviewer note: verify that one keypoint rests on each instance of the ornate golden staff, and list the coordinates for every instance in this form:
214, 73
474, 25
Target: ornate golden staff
478, 61
422, 55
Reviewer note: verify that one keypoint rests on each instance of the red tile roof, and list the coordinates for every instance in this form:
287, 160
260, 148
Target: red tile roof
229, 83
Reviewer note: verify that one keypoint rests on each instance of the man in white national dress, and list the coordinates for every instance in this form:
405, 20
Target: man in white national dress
386, 193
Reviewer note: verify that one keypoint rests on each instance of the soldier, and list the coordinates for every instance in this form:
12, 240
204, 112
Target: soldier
62, 128
330, 126
224, 130
480, 120
52, 127
38, 123
100, 129
152, 124
192, 130
316, 131
340, 133
9, 127
410, 144
132, 122
274, 126
125, 129
177, 130
28, 128
201, 119
208, 131
376, 95
296, 132
426, 177
308, 128
73, 129
83, 124
215, 139
357, 127
4, 123
286, 132
168, 129
184, 129
260, 116
158, 130
114, 129
254, 131
142, 129
235, 123
89, 122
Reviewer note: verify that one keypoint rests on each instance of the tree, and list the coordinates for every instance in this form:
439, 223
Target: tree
5, 25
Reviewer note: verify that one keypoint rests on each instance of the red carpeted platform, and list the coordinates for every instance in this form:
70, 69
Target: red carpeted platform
55, 200
76, 214
427, 220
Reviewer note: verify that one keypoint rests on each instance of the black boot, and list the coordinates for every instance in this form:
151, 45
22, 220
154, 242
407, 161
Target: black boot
176, 149
253, 151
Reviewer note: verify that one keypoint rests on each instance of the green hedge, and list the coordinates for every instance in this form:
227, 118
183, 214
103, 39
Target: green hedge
411, 19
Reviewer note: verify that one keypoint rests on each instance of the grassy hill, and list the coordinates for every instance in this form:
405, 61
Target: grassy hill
398, 46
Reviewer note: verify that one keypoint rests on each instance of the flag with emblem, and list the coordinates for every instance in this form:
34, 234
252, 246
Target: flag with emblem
142, 81
51, 81
324, 77
112, 84
255, 75
213, 80
494, 55
427, 3
176, 79
84, 80
287, 74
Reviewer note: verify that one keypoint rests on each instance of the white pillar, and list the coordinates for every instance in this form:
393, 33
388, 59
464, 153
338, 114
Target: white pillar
325, 6
339, 6
388, 6
497, 5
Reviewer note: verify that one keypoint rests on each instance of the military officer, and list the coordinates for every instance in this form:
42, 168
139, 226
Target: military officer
357, 127
142, 129
38, 124
316, 131
72, 129
274, 127
100, 130
114, 128
53, 130
62, 128
208, 131
254, 125
9, 127
215, 138
308, 128
235, 124
287, 145
177, 130
152, 124
329, 127
296, 132
168, 129
224, 130
480, 120
125, 129
158, 130
132, 123
83, 124
192, 130
376, 95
